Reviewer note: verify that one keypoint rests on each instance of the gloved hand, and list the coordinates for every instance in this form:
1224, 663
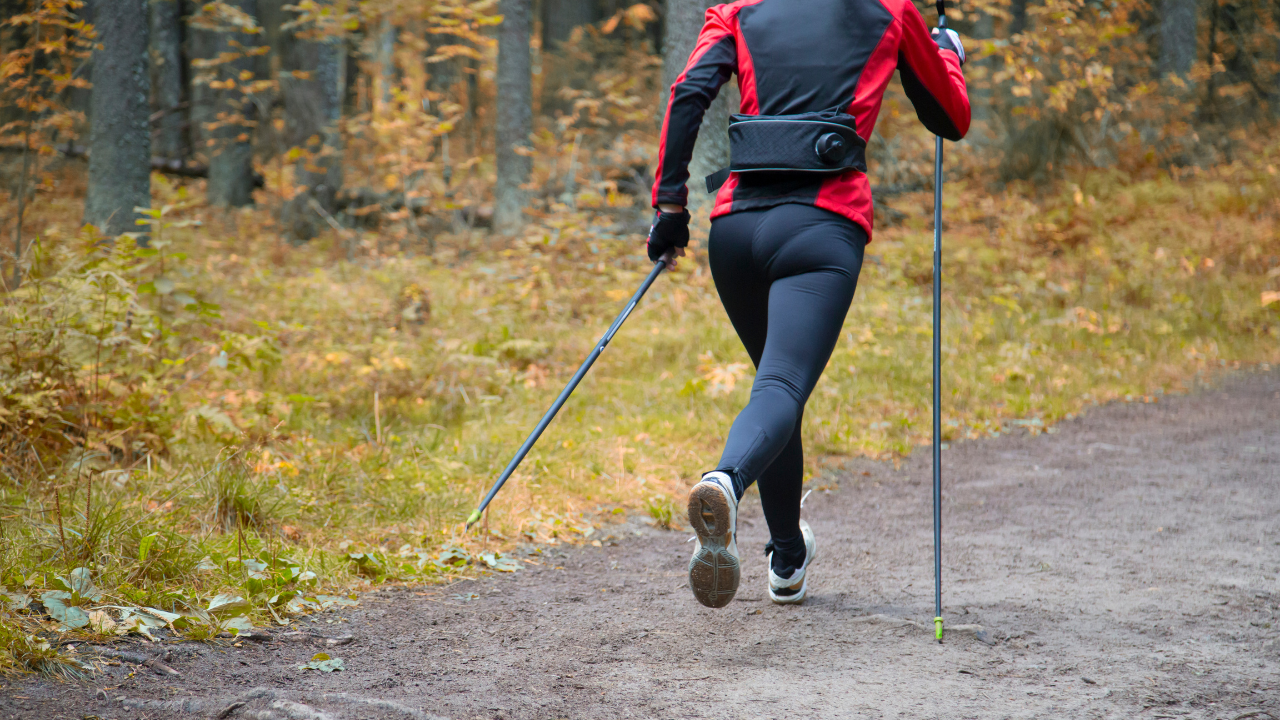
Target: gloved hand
669, 230
948, 39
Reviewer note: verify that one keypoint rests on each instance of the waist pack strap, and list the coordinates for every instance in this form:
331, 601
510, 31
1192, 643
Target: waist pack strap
717, 179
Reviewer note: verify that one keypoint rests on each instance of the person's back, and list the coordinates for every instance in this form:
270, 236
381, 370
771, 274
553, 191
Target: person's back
789, 228
802, 56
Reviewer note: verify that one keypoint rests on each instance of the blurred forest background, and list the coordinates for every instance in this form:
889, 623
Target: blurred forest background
286, 284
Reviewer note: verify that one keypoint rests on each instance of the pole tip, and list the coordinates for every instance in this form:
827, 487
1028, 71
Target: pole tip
937, 628
473, 518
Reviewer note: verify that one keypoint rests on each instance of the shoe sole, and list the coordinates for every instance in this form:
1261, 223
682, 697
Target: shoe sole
713, 571
790, 599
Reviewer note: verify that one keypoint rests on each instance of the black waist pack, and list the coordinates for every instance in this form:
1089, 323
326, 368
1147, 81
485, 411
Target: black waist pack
817, 143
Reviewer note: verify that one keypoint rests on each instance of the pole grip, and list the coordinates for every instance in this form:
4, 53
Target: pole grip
942, 13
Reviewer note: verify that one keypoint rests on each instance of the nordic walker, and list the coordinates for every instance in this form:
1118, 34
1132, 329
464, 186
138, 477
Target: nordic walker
792, 216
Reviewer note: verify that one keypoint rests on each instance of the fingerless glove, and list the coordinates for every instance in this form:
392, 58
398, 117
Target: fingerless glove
949, 39
669, 230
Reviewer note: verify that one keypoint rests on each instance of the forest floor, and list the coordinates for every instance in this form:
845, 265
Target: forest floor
1122, 567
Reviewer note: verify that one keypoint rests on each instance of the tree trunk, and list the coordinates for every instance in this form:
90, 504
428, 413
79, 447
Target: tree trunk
350, 75
313, 109
1208, 109
1017, 17
560, 17
386, 61
443, 75
981, 99
166, 79
201, 99
1177, 37
271, 15
231, 151
711, 152
515, 115
472, 68
120, 157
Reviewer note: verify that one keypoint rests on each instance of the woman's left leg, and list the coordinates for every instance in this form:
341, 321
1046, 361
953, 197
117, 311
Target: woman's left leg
806, 313
786, 277
811, 259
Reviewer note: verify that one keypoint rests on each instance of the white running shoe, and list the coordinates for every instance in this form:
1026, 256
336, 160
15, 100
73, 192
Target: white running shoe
714, 569
791, 590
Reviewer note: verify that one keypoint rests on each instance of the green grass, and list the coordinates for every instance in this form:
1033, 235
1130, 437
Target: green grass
271, 483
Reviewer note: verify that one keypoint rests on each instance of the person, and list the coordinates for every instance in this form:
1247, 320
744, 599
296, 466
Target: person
786, 247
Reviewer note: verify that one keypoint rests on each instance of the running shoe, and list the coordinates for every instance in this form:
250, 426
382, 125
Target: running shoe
791, 590
714, 569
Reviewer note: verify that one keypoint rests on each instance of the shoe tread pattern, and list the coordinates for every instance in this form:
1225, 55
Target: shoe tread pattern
713, 571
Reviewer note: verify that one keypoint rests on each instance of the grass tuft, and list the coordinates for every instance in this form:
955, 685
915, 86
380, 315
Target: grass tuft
22, 652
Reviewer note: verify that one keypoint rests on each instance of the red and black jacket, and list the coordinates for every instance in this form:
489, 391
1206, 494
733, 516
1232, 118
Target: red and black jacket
796, 57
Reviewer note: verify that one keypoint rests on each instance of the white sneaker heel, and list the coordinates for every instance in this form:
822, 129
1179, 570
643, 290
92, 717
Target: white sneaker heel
792, 590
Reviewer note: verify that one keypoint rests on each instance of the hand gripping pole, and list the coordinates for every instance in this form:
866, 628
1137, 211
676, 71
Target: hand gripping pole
568, 390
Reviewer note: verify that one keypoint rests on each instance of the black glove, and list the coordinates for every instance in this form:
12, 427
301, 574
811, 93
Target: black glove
669, 230
948, 39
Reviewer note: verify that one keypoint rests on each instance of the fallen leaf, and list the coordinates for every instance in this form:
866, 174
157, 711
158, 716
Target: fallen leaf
56, 603
323, 663
225, 604
500, 562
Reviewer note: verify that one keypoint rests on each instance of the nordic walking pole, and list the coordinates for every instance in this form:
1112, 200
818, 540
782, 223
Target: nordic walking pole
568, 389
937, 367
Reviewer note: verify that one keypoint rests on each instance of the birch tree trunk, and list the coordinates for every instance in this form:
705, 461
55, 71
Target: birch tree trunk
120, 144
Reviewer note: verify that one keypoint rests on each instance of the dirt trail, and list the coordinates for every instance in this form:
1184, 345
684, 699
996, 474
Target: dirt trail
1124, 567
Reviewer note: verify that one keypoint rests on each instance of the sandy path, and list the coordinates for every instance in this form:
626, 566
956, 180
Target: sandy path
1124, 567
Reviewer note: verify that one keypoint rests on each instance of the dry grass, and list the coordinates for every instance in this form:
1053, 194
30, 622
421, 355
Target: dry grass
350, 429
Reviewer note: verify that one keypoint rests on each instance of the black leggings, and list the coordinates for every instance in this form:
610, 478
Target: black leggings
786, 276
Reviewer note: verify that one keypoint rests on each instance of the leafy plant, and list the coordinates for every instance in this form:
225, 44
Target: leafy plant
662, 510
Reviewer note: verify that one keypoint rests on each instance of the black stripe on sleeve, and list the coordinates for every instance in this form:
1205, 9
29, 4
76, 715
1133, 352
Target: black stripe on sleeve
928, 109
689, 102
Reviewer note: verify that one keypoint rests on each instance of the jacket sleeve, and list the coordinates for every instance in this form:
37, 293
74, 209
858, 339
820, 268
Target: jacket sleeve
932, 78
714, 60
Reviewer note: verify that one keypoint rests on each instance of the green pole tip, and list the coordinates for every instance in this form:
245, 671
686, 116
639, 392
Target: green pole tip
473, 518
937, 628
